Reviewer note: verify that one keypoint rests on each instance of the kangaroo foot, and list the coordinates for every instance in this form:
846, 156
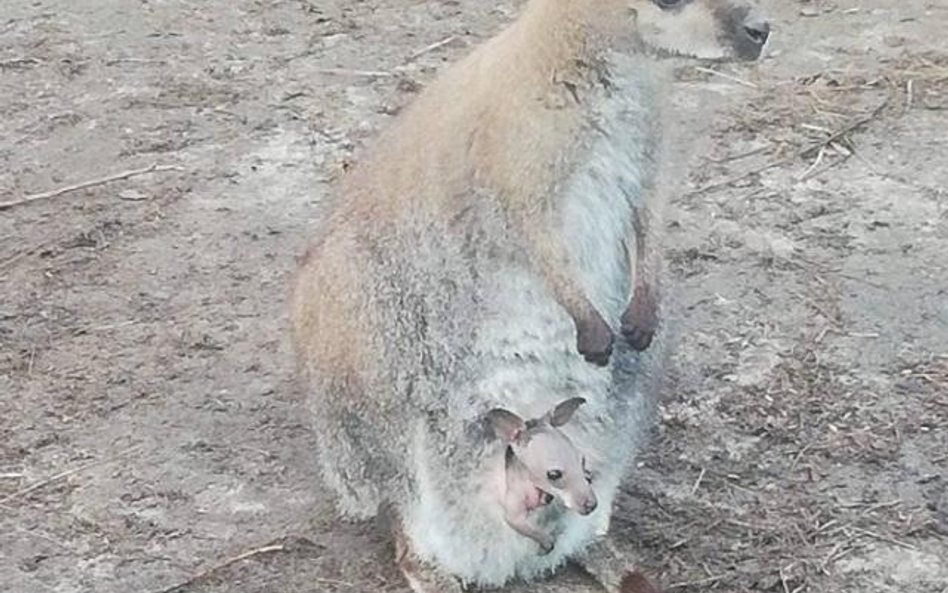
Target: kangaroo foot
640, 319
594, 339
635, 582
421, 577
605, 563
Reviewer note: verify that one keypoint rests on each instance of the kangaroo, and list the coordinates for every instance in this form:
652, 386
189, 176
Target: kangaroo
477, 255
541, 465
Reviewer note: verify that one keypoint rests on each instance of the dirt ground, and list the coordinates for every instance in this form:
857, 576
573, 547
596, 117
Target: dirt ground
151, 436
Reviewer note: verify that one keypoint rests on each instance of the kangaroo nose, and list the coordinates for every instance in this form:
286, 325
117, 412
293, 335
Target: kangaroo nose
757, 30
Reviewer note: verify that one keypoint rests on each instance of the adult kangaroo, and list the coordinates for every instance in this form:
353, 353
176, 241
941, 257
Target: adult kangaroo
482, 255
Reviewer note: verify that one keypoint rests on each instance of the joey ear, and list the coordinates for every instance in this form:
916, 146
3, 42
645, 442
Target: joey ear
507, 425
563, 411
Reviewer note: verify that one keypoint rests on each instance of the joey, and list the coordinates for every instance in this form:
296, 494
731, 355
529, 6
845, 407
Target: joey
541, 465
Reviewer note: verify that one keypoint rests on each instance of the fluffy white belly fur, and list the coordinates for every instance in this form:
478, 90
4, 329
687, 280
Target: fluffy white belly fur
527, 360
527, 354
531, 365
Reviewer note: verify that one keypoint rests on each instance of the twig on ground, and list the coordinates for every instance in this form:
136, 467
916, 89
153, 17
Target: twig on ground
430, 48
284, 546
817, 149
740, 155
829, 166
868, 507
845, 131
65, 474
153, 168
14, 258
40, 534
829, 557
694, 489
108, 326
864, 335
348, 72
799, 455
26, 252
115, 61
732, 480
821, 129
18, 62
830, 317
739, 177
705, 581
730, 77
816, 163
250, 554
884, 538
783, 581
224, 564
679, 543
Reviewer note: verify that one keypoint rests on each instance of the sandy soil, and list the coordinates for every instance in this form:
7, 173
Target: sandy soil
151, 437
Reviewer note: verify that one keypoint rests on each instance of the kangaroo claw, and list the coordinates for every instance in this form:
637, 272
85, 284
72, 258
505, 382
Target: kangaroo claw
594, 341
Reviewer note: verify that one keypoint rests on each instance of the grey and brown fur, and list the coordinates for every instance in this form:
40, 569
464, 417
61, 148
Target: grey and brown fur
504, 219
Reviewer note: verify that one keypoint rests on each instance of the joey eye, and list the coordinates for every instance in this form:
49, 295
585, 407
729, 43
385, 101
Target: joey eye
668, 4
554, 475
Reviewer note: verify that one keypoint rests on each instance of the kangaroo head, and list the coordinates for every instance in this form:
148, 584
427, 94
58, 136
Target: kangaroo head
705, 29
552, 462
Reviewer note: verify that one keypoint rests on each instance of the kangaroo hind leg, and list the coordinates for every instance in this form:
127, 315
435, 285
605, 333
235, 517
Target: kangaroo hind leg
421, 576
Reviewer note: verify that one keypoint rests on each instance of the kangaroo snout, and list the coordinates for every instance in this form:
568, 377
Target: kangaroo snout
750, 36
757, 29
756, 32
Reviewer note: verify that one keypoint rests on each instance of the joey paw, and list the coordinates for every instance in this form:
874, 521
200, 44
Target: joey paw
594, 340
546, 546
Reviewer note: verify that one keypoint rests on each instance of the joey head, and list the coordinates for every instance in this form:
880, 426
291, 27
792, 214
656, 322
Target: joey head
541, 465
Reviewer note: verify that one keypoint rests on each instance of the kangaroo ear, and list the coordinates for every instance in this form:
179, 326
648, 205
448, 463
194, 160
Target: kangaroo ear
563, 411
507, 425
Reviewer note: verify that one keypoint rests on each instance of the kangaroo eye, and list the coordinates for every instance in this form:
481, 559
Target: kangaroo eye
554, 475
589, 477
667, 4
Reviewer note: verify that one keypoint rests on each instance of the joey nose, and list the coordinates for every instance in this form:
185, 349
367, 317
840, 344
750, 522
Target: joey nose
589, 505
757, 31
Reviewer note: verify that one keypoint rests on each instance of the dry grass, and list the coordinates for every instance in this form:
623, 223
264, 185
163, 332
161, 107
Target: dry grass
810, 120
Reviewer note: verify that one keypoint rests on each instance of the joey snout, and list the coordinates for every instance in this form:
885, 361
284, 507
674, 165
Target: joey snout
584, 503
588, 505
